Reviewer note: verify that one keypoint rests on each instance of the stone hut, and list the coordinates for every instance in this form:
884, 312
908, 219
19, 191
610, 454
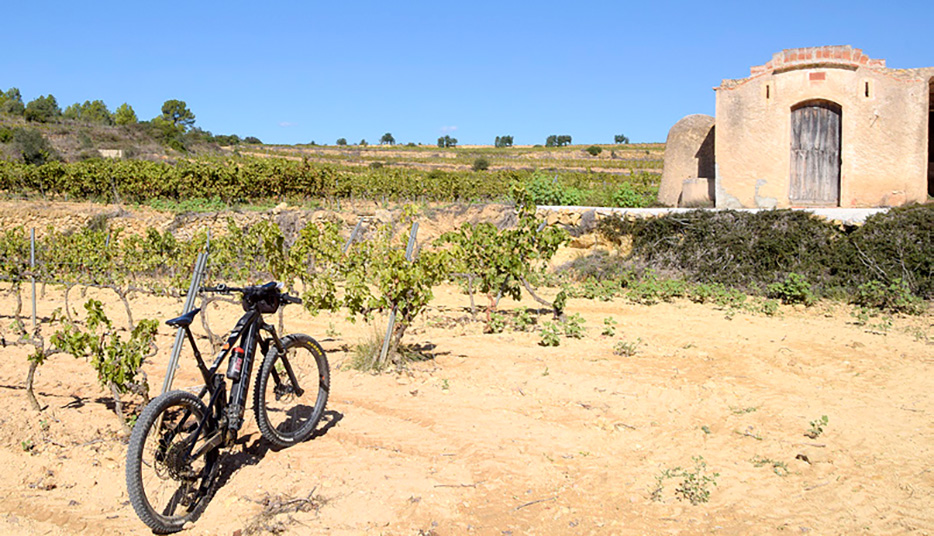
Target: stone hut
824, 126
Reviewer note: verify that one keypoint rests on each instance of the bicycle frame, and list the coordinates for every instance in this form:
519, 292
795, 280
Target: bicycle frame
225, 416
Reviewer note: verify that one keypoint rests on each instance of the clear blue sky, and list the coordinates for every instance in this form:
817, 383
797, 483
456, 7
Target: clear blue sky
293, 72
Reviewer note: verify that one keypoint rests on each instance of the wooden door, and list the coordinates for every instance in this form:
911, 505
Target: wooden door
815, 154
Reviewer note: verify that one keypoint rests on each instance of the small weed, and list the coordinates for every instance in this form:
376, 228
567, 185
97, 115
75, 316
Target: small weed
817, 427
574, 326
778, 467
706, 429
366, 352
627, 349
882, 327
276, 514
524, 320
766, 307
546, 373
27, 445
918, 333
445, 385
551, 334
497, 323
740, 411
44, 425
609, 327
862, 315
794, 289
694, 486
332, 331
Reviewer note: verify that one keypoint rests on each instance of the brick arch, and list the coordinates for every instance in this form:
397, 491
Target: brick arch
845, 57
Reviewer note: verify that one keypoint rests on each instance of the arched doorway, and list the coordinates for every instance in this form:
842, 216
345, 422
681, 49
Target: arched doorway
816, 128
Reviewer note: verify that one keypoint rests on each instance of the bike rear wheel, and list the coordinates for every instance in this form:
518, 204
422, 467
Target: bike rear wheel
167, 487
291, 390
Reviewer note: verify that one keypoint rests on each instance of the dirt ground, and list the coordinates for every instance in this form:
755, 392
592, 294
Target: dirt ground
498, 435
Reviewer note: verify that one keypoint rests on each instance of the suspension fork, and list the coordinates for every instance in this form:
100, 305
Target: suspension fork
285, 361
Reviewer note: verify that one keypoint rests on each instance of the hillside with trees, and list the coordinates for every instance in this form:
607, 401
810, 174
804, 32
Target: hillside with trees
40, 131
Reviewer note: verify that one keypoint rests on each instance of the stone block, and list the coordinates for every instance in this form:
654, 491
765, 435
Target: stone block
697, 192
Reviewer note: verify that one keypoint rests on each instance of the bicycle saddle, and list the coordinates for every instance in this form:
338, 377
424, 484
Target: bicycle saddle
184, 320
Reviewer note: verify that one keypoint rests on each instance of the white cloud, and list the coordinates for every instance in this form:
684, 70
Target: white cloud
448, 129
286, 124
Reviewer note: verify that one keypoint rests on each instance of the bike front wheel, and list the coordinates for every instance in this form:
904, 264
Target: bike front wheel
167, 486
291, 390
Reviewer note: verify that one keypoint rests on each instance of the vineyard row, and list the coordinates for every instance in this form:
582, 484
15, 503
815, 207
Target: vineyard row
249, 179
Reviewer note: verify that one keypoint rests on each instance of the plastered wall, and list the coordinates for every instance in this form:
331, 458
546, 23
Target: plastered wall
885, 113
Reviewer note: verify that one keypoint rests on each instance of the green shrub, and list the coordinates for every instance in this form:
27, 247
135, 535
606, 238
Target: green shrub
897, 245
497, 323
574, 326
736, 249
751, 251
594, 150
895, 297
599, 265
794, 289
551, 334
524, 321
627, 197
546, 190
480, 164
33, 147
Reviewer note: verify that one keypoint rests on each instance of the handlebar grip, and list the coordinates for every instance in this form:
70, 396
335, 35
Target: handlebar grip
221, 289
291, 299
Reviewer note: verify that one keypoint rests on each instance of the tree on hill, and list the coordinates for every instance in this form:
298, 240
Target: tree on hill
227, 139
33, 147
503, 141
620, 138
177, 113
447, 141
557, 141
363, 143
11, 102
95, 112
43, 109
341, 141
387, 139
124, 115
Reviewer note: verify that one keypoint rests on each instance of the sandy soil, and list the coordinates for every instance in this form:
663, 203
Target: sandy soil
498, 435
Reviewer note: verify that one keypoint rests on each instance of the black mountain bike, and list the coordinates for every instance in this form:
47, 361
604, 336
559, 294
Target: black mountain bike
174, 452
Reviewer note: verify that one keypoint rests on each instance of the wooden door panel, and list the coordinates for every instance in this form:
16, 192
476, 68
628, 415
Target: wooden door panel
815, 154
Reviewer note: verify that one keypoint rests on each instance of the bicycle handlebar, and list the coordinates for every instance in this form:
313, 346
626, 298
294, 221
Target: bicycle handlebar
224, 289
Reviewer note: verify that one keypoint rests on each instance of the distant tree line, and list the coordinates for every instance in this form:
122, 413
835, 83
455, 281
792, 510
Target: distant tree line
500, 142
